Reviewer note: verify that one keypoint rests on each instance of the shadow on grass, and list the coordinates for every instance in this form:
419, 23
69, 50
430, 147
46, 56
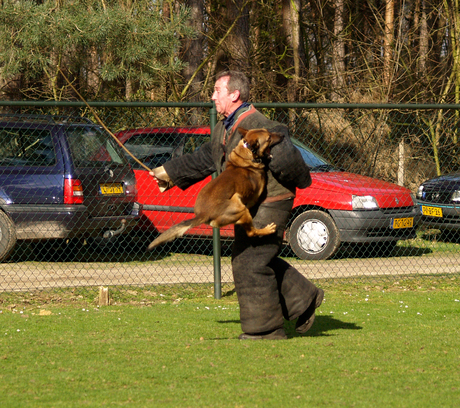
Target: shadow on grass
78, 250
363, 251
132, 248
123, 249
321, 327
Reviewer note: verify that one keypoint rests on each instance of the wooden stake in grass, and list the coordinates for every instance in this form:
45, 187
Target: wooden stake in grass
103, 296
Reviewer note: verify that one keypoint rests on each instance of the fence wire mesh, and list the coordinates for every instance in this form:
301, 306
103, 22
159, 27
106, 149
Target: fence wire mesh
77, 211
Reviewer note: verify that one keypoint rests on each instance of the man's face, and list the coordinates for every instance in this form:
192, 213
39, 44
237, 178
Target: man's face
225, 102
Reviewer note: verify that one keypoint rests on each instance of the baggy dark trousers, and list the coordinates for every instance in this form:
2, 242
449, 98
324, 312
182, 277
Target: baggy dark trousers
269, 290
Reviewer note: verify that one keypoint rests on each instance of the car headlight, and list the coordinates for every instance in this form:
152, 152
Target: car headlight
420, 192
364, 203
456, 195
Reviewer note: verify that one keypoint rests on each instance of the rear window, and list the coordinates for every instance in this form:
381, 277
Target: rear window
154, 149
93, 147
26, 147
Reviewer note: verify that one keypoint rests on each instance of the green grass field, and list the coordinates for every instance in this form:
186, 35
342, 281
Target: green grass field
380, 345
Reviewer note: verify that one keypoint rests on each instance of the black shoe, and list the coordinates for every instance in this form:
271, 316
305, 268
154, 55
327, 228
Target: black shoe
306, 320
278, 334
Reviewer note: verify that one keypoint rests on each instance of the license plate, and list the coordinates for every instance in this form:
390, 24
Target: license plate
111, 189
432, 211
403, 223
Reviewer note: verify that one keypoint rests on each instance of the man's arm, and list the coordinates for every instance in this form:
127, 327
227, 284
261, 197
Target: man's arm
287, 164
188, 169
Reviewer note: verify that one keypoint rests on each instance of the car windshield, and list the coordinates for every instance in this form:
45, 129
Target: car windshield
313, 160
90, 146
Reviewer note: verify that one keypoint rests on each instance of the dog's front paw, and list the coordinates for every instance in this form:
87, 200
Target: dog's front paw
270, 228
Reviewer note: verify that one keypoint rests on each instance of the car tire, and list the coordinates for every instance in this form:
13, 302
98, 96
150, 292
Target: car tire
313, 235
7, 236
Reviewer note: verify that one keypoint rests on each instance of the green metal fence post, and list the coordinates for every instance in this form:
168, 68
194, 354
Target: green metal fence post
216, 246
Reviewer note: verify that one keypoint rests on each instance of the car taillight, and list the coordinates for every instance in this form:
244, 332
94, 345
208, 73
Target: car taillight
73, 191
131, 190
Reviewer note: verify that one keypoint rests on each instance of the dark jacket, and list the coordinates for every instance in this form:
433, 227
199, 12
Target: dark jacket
287, 169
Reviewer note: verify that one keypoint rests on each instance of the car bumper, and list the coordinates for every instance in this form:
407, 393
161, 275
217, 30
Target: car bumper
67, 221
374, 226
450, 216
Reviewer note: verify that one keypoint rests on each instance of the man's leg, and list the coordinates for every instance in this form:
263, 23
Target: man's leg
255, 283
268, 288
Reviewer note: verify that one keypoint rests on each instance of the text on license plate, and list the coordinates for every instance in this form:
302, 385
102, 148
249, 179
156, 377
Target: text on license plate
111, 189
432, 211
403, 223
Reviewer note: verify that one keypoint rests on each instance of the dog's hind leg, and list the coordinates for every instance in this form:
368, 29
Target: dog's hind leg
246, 222
235, 212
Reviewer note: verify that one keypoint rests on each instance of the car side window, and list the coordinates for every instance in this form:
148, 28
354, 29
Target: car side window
26, 147
194, 142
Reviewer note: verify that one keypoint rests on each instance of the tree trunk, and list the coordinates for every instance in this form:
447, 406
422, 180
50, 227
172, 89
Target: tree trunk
423, 43
388, 44
192, 50
291, 15
401, 163
338, 52
238, 46
92, 76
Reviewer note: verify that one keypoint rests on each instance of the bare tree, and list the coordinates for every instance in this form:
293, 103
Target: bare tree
291, 17
388, 44
192, 50
238, 46
338, 51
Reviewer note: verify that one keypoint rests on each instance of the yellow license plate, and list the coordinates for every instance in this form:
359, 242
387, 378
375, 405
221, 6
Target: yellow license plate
403, 223
111, 189
432, 211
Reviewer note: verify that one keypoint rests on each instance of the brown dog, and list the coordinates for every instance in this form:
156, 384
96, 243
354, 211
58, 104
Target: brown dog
227, 198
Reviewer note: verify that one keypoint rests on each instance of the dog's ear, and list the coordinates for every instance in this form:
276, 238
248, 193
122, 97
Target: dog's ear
275, 138
243, 131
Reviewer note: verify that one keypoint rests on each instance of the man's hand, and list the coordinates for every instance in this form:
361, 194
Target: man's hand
162, 178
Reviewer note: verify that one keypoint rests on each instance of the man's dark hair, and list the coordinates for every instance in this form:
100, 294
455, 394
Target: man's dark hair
237, 82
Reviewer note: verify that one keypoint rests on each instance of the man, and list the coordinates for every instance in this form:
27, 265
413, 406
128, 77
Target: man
269, 290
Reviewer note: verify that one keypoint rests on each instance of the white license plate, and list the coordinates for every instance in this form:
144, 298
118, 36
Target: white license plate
403, 223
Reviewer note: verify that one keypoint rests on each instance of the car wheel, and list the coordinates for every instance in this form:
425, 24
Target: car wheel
313, 235
7, 236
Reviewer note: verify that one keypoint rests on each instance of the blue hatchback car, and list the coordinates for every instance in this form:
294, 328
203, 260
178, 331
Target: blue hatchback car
439, 201
62, 177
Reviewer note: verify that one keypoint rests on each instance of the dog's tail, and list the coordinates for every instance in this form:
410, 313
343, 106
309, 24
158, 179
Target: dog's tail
175, 231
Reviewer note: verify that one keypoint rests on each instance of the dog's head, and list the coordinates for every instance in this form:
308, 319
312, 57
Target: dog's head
260, 142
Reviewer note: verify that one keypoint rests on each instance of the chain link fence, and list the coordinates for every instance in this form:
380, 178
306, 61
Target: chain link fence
76, 210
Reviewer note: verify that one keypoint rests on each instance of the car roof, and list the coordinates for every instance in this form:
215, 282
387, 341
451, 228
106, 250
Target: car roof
123, 135
44, 119
205, 130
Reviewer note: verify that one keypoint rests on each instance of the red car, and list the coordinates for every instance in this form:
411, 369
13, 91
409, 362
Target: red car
338, 206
